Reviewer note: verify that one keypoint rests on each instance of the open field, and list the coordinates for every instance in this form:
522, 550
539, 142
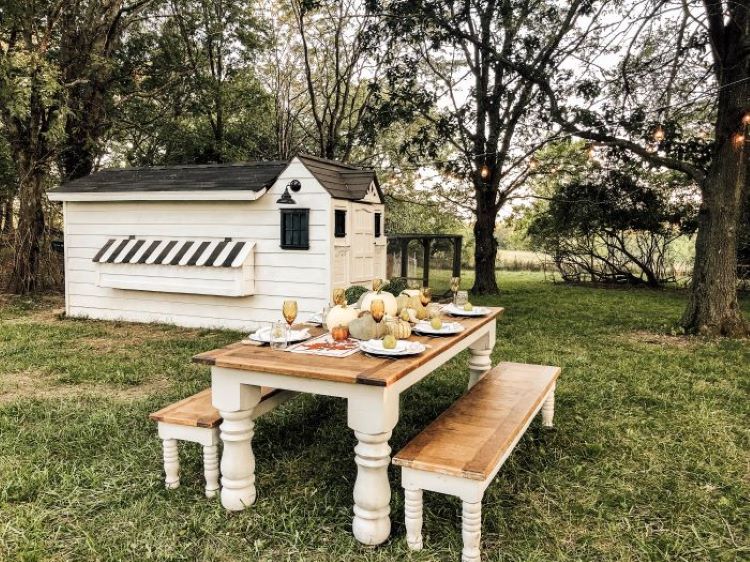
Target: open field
649, 459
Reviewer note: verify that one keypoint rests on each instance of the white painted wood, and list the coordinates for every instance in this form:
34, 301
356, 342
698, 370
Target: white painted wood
223, 281
171, 464
372, 413
237, 430
481, 350
362, 268
211, 469
372, 492
471, 531
413, 514
548, 409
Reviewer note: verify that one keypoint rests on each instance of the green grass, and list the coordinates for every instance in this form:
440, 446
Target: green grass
649, 459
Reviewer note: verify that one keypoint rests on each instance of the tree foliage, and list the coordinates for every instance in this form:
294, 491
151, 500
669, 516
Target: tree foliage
615, 226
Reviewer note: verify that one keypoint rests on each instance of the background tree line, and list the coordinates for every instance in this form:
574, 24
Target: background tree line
474, 90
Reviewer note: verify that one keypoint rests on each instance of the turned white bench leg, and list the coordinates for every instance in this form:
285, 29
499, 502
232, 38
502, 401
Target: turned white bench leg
211, 469
171, 464
413, 512
471, 530
548, 409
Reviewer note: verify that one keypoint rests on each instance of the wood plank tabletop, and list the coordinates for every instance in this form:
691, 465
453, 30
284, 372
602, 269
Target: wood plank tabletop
356, 369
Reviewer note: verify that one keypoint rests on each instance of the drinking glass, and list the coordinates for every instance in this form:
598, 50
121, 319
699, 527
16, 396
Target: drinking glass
425, 295
278, 335
462, 297
289, 310
377, 309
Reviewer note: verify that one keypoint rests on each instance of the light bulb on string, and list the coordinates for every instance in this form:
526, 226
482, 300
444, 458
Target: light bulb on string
746, 119
738, 140
533, 163
484, 172
659, 134
591, 151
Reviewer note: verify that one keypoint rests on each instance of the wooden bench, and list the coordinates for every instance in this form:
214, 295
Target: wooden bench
195, 419
462, 450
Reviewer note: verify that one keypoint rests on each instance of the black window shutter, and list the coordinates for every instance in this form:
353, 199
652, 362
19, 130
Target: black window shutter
378, 225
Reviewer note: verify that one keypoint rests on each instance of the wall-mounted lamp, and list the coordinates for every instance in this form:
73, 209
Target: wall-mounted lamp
286, 197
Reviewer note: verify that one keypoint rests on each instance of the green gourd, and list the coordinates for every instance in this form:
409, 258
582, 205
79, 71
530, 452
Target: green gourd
365, 327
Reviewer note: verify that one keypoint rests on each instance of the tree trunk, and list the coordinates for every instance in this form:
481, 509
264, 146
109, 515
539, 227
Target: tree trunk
713, 308
7, 216
485, 245
24, 277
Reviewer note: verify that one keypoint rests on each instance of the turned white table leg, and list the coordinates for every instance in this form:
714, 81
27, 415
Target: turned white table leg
480, 361
372, 415
471, 530
479, 364
413, 513
171, 463
372, 491
211, 469
548, 409
236, 406
237, 460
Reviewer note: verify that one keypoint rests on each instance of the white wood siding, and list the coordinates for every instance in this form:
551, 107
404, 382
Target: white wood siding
279, 274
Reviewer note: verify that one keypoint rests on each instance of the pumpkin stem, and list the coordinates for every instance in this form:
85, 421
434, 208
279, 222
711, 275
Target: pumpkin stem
377, 284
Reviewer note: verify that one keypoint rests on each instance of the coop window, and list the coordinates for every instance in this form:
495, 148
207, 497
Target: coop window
295, 229
378, 225
339, 228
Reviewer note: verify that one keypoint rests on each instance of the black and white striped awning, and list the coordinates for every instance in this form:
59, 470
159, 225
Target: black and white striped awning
160, 251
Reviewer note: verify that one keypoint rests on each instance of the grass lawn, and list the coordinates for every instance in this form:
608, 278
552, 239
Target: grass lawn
649, 460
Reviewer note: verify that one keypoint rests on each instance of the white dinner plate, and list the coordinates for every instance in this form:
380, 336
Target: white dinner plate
264, 336
403, 348
453, 310
316, 319
447, 329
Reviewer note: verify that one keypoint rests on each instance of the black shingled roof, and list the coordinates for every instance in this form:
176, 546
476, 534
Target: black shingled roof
341, 180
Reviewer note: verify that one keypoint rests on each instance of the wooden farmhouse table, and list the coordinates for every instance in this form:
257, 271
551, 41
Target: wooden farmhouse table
370, 385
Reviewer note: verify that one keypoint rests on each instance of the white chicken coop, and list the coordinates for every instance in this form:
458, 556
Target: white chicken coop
219, 245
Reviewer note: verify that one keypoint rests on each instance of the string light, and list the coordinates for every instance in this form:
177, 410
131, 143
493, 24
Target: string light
591, 151
738, 139
533, 163
746, 119
659, 134
484, 172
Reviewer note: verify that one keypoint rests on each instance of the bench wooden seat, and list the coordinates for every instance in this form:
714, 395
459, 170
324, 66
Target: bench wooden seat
197, 410
196, 420
461, 451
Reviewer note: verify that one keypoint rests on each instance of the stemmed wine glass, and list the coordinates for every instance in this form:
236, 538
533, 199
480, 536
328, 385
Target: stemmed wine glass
425, 296
455, 286
377, 309
289, 310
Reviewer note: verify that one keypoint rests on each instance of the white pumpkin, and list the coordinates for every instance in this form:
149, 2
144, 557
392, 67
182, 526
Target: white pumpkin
340, 315
391, 305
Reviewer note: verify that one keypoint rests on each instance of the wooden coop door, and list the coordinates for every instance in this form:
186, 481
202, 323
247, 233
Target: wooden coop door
363, 245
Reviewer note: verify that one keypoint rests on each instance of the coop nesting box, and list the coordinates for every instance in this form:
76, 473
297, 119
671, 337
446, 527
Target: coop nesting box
219, 245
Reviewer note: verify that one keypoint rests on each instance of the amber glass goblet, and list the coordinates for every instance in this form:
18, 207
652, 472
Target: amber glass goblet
425, 296
377, 309
289, 310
